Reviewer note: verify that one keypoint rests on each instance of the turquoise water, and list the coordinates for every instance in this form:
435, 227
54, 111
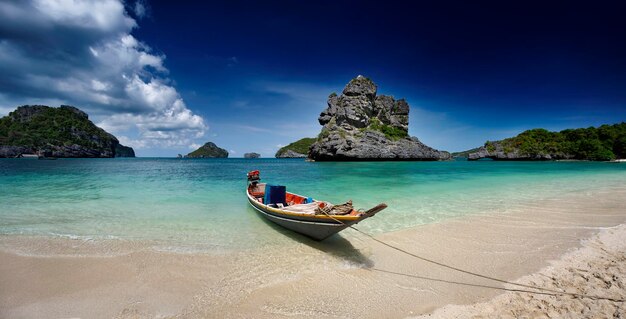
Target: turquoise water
200, 204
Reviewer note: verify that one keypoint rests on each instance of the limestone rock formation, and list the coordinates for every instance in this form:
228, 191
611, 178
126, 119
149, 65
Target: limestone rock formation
208, 150
359, 125
290, 154
251, 155
57, 132
496, 151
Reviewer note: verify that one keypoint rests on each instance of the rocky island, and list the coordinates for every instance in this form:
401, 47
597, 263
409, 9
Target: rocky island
607, 142
251, 155
297, 149
208, 150
56, 132
359, 125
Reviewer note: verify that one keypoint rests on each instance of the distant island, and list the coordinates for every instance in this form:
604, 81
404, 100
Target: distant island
358, 125
297, 149
208, 150
63, 131
251, 155
464, 153
607, 142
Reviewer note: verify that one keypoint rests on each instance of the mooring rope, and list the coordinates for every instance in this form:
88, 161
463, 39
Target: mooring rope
546, 291
554, 294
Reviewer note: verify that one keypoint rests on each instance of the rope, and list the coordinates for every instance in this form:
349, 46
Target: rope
554, 294
546, 291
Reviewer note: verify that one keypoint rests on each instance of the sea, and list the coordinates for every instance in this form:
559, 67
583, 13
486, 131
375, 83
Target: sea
200, 205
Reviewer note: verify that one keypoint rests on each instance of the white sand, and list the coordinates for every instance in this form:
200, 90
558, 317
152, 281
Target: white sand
345, 277
597, 269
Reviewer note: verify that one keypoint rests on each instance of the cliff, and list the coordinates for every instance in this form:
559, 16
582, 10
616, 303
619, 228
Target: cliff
208, 150
59, 132
359, 125
604, 143
297, 149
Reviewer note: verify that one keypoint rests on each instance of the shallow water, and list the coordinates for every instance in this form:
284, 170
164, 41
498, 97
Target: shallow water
199, 205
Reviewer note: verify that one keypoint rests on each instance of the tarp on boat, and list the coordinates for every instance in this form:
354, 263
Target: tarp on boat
308, 209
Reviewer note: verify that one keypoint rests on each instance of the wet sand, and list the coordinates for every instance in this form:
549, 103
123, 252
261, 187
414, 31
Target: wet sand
348, 276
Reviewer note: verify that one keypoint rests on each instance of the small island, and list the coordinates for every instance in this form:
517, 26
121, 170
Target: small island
208, 150
297, 149
251, 155
63, 131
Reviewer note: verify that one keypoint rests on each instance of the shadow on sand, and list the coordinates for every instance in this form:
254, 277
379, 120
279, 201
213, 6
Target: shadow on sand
335, 245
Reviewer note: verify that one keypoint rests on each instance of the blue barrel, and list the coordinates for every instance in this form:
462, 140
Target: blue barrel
275, 194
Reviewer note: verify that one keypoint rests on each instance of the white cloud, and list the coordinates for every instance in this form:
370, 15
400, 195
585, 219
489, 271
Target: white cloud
82, 53
106, 15
141, 9
100, 86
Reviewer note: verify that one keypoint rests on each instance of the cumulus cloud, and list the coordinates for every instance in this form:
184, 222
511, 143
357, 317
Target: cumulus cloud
82, 53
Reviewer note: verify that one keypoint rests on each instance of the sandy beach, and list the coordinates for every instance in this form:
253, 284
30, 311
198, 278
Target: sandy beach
596, 269
574, 242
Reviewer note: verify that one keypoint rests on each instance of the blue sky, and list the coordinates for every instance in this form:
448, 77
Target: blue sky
166, 77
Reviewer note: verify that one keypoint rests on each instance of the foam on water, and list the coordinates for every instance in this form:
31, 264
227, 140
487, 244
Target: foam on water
199, 205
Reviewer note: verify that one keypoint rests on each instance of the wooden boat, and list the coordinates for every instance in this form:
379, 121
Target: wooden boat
316, 219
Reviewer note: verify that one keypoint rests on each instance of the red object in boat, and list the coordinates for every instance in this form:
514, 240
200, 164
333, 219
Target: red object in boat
254, 175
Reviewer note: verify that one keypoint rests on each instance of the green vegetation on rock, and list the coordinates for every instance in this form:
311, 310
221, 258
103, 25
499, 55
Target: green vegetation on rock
40, 125
61, 132
322, 135
391, 132
300, 146
464, 153
606, 142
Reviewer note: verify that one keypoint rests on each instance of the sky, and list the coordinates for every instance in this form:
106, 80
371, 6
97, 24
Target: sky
167, 76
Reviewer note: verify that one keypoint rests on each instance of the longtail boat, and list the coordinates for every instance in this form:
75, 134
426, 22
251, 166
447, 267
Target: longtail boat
305, 215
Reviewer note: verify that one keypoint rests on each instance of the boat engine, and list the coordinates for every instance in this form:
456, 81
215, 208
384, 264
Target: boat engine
254, 177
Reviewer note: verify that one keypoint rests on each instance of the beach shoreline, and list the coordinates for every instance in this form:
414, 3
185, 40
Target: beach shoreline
348, 276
